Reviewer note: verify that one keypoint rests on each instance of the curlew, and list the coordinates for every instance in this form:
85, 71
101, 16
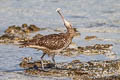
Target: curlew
53, 44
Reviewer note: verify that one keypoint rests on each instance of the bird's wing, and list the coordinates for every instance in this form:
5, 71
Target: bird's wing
53, 41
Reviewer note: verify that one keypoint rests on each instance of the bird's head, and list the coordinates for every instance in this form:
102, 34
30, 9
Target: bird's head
66, 23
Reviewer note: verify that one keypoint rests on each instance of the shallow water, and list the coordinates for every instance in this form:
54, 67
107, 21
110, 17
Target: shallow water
90, 17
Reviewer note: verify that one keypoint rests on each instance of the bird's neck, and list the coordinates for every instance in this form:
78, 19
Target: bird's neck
70, 32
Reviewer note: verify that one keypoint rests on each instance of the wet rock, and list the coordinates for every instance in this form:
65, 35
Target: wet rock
37, 36
96, 68
25, 28
95, 49
109, 78
27, 63
5, 38
15, 34
69, 52
90, 37
77, 34
92, 70
14, 31
57, 30
74, 50
33, 28
75, 74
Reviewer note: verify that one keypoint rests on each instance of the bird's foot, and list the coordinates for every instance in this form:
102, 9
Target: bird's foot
42, 65
55, 66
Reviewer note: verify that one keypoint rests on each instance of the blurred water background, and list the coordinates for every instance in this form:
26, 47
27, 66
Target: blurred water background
90, 17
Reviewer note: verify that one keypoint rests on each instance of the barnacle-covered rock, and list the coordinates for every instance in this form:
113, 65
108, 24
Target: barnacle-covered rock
33, 28
74, 50
27, 63
15, 34
91, 70
95, 49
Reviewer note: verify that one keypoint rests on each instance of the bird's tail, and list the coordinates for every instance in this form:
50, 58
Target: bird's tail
28, 43
24, 44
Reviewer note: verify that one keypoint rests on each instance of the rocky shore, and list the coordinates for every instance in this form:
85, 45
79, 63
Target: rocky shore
77, 70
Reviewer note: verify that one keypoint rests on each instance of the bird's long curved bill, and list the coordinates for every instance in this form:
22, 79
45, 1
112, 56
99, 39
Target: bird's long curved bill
60, 15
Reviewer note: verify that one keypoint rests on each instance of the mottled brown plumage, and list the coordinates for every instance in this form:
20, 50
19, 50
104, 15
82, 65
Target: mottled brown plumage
50, 42
53, 43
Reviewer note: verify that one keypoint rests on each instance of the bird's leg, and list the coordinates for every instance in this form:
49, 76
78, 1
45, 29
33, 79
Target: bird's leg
53, 56
43, 55
42, 60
